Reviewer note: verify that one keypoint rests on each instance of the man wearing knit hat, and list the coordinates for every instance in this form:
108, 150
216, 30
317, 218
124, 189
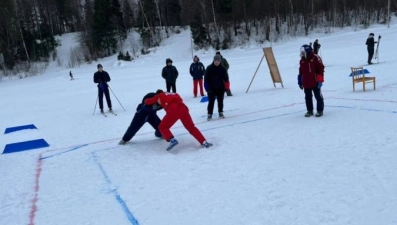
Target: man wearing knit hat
216, 83
101, 77
225, 64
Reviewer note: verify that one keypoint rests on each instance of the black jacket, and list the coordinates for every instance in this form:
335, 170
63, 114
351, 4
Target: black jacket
101, 78
215, 78
370, 43
170, 73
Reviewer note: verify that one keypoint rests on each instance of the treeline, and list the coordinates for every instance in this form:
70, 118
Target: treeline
28, 27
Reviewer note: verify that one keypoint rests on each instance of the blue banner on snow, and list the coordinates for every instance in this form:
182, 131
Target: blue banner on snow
26, 145
18, 128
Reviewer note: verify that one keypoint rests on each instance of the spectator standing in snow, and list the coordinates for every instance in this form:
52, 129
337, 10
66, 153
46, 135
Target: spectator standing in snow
316, 46
197, 72
170, 74
216, 83
225, 64
370, 46
101, 77
144, 113
175, 110
310, 79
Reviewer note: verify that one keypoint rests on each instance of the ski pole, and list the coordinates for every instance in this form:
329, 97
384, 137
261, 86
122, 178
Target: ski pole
116, 97
95, 104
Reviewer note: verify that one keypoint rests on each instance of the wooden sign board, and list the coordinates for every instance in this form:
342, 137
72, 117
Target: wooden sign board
271, 62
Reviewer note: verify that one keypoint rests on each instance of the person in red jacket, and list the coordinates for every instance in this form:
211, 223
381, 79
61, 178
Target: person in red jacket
310, 79
175, 110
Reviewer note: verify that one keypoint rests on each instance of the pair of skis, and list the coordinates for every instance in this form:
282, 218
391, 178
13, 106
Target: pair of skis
111, 112
376, 55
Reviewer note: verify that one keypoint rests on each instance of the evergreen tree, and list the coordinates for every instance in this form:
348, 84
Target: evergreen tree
174, 10
117, 19
104, 31
199, 33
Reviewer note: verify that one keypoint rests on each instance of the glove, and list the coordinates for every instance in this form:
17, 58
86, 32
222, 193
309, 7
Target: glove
227, 86
103, 86
300, 79
206, 87
319, 85
320, 78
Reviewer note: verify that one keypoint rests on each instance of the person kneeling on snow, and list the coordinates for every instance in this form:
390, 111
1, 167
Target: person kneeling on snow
144, 113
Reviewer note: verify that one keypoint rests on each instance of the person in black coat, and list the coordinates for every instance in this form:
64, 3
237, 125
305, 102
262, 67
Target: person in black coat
101, 77
197, 71
216, 83
170, 74
71, 75
144, 113
370, 46
316, 47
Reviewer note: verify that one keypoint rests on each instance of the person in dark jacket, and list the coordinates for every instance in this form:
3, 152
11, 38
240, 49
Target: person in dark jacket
370, 46
216, 82
144, 113
310, 79
197, 71
71, 75
316, 47
101, 77
225, 64
170, 74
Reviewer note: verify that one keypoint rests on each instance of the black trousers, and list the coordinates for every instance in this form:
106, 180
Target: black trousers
107, 96
218, 96
309, 99
171, 85
370, 54
140, 118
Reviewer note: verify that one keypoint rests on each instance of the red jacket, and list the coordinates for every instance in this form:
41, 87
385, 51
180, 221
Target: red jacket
312, 70
165, 99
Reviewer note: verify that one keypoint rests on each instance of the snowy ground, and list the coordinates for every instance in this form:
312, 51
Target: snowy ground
268, 165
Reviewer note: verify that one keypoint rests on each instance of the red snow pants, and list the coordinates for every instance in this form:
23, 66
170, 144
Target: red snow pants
175, 112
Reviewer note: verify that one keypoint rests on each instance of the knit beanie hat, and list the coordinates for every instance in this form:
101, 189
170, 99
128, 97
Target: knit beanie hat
217, 58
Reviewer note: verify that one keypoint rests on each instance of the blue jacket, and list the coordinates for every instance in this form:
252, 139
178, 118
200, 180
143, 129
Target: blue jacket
197, 70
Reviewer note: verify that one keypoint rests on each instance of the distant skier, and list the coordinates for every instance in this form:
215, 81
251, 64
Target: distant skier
175, 110
197, 71
101, 77
310, 79
316, 47
370, 46
144, 113
170, 74
71, 75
